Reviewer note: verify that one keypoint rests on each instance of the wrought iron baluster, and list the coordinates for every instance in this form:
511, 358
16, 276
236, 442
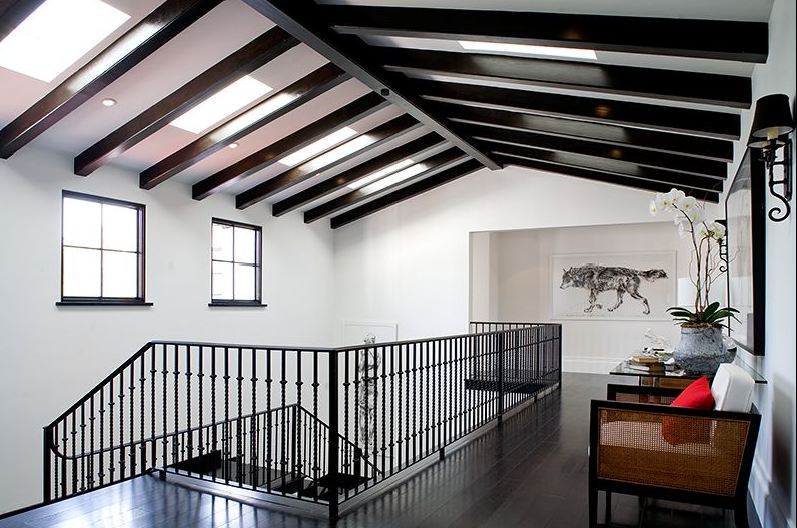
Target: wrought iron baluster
176, 444
253, 437
240, 452
269, 453
201, 436
112, 467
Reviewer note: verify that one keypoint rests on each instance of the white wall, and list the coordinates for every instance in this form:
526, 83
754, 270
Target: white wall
410, 263
524, 286
773, 481
52, 356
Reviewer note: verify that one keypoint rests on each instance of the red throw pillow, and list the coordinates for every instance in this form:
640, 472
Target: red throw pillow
683, 430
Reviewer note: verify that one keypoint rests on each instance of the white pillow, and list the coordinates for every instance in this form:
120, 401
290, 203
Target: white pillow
732, 389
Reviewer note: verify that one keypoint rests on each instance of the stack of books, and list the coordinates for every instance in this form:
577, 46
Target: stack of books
645, 363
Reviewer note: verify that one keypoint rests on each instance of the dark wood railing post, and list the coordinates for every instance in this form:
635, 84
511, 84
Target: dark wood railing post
332, 457
47, 468
500, 346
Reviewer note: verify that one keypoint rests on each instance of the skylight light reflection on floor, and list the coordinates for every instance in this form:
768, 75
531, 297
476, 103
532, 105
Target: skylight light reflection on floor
56, 35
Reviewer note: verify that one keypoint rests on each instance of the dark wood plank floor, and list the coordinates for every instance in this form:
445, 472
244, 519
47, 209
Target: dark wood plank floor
531, 472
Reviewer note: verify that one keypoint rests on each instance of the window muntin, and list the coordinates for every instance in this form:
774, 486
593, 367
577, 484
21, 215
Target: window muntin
235, 263
102, 250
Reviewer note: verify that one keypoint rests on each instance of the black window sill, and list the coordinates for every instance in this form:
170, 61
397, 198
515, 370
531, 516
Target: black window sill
102, 303
240, 304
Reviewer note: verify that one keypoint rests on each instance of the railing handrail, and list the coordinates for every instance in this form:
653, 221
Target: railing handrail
333, 350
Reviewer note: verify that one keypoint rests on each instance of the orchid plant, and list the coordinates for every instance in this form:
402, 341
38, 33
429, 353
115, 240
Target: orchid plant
704, 267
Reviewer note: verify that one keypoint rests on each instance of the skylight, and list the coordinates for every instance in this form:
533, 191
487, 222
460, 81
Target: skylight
56, 35
223, 103
381, 173
291, 160
526, 49
395, 178
350, 147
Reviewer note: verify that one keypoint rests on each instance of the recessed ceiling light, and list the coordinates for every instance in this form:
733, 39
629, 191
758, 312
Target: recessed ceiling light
316, 147
233, 145
526, 49
56, 35
108, 101
223, 103
395, 178
381, 173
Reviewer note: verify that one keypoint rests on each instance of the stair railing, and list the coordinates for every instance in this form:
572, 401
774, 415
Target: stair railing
319, 425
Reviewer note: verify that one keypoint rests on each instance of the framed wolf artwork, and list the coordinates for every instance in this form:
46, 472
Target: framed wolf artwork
613, 286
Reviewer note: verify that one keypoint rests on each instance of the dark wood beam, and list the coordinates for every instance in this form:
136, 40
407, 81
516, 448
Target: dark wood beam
405, 193
416, 150
641, 157
13, 12
257, 53
700, 147
378, 136
707, 39
721, 125
605, 177
706, 88
143, 39
673, 179
304, 20
354, 111
436, 163
308, 87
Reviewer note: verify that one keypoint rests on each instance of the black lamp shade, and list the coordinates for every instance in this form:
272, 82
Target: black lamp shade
772, 119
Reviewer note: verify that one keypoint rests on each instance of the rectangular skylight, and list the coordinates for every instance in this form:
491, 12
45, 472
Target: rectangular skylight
56, 35
395, 178
291, 160
526, 49
381, 173
341, 151
223, 103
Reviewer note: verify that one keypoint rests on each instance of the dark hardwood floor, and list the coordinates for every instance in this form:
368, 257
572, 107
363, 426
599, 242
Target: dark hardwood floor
531, 472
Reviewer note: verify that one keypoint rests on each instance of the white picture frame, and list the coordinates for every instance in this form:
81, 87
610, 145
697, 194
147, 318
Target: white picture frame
638, 276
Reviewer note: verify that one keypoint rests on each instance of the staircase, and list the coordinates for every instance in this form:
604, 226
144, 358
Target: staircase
315, 425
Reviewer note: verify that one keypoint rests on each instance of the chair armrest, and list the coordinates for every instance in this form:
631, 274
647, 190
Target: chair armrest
641, 394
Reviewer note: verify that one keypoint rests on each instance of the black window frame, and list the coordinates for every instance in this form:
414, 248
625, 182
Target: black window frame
258, 265
140, 298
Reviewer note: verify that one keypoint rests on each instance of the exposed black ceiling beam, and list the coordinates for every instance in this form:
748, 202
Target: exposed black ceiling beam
247, 59
707, 88
157, 28
707, 39
342, 117
378, 136
619, 168
605, 177
701, 147
721, 125
416, 150
436, 163
308, 87
405, 193
642, 157
13, 12
304, 20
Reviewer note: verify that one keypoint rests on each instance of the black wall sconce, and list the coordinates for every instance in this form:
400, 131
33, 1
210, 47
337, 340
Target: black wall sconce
772, 128
723, 247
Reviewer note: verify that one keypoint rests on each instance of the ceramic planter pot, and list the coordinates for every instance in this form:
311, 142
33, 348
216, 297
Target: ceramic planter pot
701, 350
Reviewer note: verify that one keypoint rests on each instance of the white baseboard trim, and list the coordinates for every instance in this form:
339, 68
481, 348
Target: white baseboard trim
769, 510
589, 364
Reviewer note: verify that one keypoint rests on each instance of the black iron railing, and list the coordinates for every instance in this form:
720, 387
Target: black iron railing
315, 424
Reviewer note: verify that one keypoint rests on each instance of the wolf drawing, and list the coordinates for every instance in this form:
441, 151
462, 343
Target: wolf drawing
598, 279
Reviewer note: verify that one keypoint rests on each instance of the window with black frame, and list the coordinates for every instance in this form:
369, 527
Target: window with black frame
102, 251
236, 250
